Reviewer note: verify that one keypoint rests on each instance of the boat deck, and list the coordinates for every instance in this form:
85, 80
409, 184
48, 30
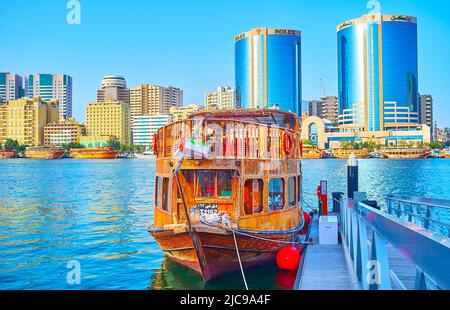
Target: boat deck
325, 266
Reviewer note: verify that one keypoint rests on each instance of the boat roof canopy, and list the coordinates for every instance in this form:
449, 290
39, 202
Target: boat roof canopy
260, 116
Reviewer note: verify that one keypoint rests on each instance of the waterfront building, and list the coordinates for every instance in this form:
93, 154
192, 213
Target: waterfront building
180, 113
426, 111
50, 87
63, 132
151, 99
443, 135
326, 107
222, 98
3, 124
378, 74
11, 87
113, 88
315, 108
268, 69
110, 118
98, 141
325, 135
24, 120
145, 126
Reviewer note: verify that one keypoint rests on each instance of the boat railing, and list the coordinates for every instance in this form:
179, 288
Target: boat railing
370, 235
424, 212
226, 139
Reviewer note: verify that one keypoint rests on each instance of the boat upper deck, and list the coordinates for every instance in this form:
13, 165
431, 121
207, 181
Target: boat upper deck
232, 134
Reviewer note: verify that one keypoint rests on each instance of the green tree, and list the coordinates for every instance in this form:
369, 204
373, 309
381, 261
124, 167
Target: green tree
72, 145
12, 145
22, 148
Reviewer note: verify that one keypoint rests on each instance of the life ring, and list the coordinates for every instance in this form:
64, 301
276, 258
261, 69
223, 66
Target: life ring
288, 143
155, 144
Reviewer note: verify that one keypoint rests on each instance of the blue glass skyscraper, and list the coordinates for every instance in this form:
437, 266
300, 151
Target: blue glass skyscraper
378, 78
268, 69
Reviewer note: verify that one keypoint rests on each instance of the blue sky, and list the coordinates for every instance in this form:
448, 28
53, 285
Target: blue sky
190, 43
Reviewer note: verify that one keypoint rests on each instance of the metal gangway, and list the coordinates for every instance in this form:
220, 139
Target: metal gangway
403, 244
406, 246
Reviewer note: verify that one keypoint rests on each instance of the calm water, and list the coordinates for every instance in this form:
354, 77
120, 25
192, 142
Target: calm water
97, 212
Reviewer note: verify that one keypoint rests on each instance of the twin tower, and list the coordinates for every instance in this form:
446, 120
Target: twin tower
377, 67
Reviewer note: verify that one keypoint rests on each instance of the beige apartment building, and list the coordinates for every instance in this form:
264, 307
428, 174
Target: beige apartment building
152, 99
109, 118
180, 113
63, 132
24, 120
223, 98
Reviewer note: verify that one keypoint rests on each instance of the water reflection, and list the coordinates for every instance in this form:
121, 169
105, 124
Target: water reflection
97, 212
173, 275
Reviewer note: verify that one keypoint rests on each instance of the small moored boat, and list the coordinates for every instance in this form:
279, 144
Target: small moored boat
98, 153
44, 152
8, 154
345, 153
405, 153
228, 189
310, 152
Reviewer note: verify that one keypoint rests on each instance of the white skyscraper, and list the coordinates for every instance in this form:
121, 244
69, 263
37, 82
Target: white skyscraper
51, 87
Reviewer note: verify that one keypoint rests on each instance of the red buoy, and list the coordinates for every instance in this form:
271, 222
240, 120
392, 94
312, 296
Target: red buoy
288, 258
307, 218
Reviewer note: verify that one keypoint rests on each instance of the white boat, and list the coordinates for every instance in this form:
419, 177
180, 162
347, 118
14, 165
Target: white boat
145, 155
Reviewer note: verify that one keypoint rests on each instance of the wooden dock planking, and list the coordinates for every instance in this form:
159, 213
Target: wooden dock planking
325, 266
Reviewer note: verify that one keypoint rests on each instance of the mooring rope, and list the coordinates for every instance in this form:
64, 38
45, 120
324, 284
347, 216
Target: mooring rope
239, 259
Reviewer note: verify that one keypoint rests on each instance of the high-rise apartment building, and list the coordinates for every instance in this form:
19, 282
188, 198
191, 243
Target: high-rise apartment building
326, 107
145, 126
315, 108
223, 98
378, 73
180, 113
11, 87
152, 99
426, 112
114, 88
63, 132
51, 87
24, 120
268, 69
109, 118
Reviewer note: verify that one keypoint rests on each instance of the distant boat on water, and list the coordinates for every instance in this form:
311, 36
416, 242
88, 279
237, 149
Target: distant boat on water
7, 154
310, 152
345, 153
44, 152
405, 153
98, 153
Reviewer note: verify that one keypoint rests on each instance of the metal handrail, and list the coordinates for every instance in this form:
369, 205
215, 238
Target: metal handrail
410, 206
370, 253
432, 202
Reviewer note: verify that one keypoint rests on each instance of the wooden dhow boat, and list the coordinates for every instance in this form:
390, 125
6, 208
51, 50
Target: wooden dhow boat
228, 189
405, 153
345, 153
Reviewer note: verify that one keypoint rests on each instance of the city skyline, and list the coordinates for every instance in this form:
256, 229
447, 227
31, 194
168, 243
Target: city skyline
166, 65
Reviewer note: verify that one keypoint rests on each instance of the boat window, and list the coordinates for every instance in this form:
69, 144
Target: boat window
253, 197
206, 183
158, 185
276, 194
299, 189
189, 175
224, 183
292, 192
165, 194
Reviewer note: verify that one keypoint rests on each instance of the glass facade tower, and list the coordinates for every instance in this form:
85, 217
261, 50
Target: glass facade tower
377, 67
268, 69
